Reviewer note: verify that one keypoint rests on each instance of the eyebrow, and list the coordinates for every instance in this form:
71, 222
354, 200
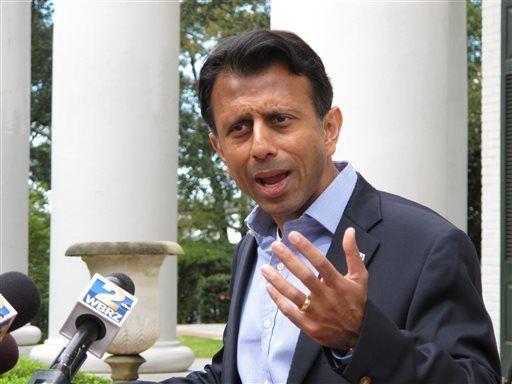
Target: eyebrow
272, 112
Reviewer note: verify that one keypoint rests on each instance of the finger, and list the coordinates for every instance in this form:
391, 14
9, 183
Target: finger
355, 265
297, 267
284, 287
315, 257
287, 308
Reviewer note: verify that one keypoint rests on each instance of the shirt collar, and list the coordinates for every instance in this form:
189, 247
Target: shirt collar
327, 209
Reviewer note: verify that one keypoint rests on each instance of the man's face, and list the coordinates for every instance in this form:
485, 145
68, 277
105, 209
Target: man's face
272, 141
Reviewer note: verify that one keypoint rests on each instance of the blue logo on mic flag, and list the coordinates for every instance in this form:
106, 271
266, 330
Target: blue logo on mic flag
108, 299
4, 311
5, 308
7, 315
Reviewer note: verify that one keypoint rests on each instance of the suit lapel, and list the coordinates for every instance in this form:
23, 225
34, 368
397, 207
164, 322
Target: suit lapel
245, 263
362, 213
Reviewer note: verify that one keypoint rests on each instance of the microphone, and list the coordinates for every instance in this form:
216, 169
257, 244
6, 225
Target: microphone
95, 320
9, 354
19, 301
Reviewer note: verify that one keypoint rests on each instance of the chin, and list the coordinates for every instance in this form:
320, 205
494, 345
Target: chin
279, 210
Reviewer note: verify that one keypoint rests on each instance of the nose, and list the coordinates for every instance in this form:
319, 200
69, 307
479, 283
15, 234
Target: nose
263, 143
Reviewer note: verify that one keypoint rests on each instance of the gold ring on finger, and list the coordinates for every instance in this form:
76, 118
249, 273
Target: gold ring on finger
307, 302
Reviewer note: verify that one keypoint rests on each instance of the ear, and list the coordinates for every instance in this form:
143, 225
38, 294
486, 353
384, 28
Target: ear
214, 140
332, 122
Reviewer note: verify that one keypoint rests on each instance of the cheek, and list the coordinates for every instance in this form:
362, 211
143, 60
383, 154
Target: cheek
310, 152
236, 167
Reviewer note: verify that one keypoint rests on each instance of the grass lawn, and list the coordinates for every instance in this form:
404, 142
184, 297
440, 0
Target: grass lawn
22, 373
203, 348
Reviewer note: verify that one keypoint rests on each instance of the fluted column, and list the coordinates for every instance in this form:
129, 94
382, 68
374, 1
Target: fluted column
399, 75
114, 155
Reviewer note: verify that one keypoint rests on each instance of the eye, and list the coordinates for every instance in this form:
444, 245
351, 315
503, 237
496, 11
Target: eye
281, 120
240, 127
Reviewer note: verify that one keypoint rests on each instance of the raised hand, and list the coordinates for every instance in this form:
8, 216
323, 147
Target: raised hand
332, 314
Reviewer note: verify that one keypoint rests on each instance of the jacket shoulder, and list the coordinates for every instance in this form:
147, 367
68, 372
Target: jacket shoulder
409, 216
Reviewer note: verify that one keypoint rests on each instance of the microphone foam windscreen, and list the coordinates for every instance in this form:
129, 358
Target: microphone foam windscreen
21, 292
123, 281
9, 354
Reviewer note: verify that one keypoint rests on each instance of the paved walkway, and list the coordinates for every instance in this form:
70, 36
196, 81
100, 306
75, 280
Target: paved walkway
208, 331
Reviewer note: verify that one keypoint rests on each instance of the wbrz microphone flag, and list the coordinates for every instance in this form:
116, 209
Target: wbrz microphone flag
108, 300
7, 315
105, 301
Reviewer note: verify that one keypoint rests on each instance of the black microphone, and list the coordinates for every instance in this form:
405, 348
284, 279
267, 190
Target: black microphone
22, 294
87, 326
9, 354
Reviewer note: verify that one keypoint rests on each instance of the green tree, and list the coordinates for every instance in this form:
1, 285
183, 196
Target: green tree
40, 153
209, 200
41, 72
474, 49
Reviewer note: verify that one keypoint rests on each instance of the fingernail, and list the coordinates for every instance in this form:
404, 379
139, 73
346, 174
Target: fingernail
265, 269
294, 237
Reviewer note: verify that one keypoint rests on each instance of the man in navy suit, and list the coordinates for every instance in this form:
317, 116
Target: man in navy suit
336, 281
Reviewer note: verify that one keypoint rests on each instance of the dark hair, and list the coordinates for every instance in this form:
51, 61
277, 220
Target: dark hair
257, 50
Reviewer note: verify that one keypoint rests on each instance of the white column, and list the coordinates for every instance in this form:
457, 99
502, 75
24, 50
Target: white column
491, 160
15, 119
14, 146
114, 154
399, 76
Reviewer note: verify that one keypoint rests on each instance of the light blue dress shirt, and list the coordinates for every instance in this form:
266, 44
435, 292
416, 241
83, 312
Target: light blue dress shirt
267, 338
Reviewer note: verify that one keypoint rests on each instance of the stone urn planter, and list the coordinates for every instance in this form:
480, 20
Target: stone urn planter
141, 261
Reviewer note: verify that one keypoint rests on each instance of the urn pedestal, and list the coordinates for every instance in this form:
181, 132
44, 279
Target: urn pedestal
141, 261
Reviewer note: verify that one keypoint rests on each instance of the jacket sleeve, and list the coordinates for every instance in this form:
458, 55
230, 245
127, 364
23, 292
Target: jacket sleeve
448, 336
212, 373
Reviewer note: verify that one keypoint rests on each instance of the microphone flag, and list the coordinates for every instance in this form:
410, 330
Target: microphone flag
7, 315
106, 301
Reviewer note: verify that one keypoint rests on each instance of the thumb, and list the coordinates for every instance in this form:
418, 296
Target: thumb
356, 267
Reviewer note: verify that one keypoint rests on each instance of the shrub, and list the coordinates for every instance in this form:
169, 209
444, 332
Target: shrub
214, 298
39, 250
202, 260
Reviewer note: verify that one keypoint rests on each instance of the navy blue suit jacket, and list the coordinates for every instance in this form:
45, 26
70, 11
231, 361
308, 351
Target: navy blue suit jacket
425, 320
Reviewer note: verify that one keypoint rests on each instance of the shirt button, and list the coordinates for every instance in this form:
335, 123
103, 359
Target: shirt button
280, 267
365, 380
267, 323
266, 381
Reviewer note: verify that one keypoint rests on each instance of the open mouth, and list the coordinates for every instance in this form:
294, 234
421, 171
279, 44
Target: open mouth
272, 181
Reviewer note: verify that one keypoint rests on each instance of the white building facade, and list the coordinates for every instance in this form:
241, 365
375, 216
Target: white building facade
497, 171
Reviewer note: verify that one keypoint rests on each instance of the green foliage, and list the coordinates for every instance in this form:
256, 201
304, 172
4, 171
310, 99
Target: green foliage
39, 249
23, 371
474, 49
203, 348
209, 200
214, 298
203, 265
41, 72
40, 153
